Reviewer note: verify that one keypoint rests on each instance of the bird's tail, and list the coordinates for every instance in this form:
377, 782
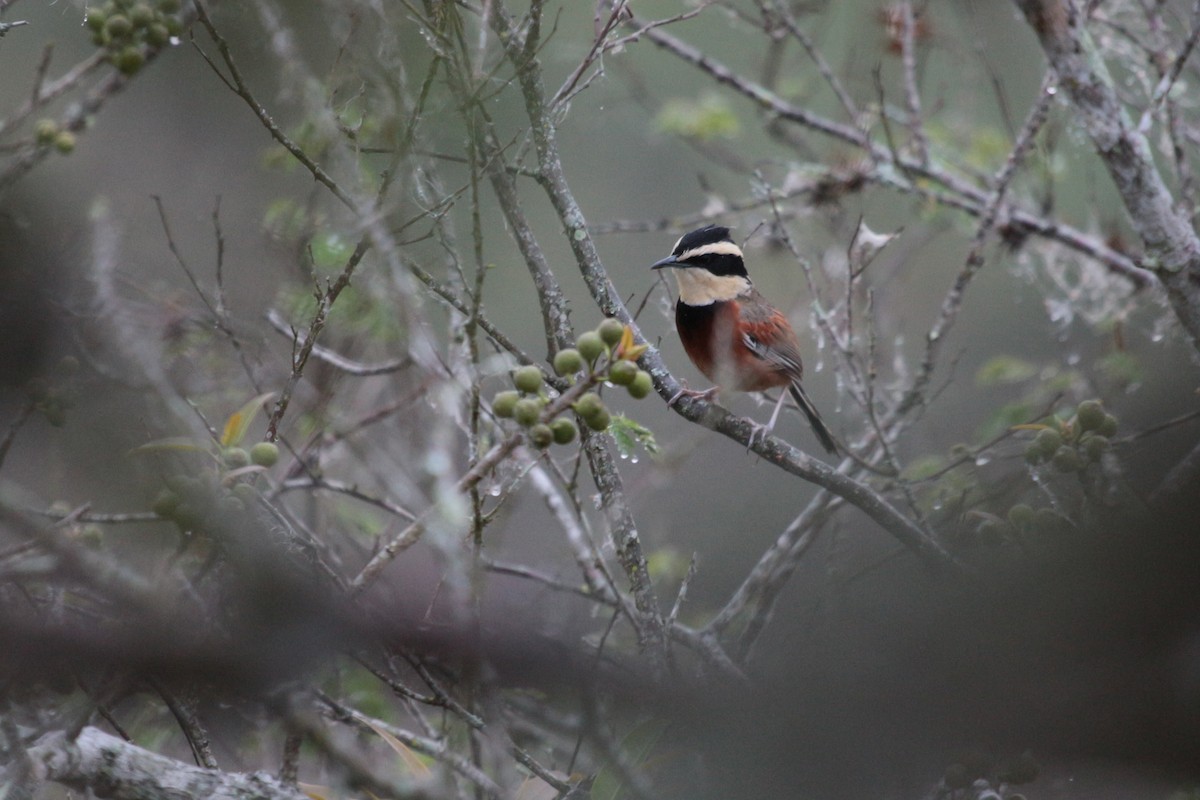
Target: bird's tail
814, 419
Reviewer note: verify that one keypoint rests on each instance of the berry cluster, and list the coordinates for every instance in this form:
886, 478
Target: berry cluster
47, 132
1070, 445
126, 27
604, 354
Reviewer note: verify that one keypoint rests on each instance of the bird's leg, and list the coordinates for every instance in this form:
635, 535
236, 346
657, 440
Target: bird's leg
762, 431
706, 394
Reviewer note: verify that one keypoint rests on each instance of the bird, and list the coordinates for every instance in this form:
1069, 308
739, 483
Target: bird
729, 330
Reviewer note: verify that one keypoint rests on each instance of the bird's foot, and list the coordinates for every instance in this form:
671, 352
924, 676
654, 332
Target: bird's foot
758, 433
707, 394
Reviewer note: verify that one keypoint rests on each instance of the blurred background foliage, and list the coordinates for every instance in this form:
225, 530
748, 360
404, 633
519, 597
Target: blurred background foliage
104, 331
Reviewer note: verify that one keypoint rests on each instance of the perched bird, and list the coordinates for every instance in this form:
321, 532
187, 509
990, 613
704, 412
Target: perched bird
729, 330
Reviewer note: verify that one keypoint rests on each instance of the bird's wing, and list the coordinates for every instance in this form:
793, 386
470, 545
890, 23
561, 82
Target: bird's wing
767, 334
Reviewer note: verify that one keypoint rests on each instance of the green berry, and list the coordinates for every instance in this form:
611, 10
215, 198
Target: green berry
229, 504
611, 331
1066, 459
174, 25
45, 131
564, 430
504, 403
169, 6
129, 60
568, 361
1090, 415
598, 419
95, 18
588, 404
526, 411
1095, 446
1020, 515
118, 26
165, 503
1048, 440
1033, 454
246, 493
1108, 427
641, 386
157, 34
264, 454
64, 142
235, 457
622, 373
541, 435
528, 379
141, 15
590, 346
91, 535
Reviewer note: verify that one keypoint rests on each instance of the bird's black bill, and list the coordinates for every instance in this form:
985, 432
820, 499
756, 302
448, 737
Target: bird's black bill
669, 261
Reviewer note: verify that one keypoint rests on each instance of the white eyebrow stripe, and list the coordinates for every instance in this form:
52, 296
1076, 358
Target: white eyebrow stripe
675, 246
714, 248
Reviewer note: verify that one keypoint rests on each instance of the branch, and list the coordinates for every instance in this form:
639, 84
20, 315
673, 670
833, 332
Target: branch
126, 771
1171, 245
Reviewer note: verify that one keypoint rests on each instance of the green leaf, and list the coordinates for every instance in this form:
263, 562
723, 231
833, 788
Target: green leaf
174, 444
710, 118
239, 421
1004, 370
630, 434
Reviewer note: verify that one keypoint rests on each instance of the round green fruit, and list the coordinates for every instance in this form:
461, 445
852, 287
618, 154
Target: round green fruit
1090, 415
528, 379
1048, 440
264, 454
95, 18
45, 131
611, 331
117, 26
526, 411
622, 373
568, 361
129, 60
541, 435
141, 15
165, 503
599, 419
590, 346
1020, 516
157, 34
590, 403
64, 142
564, 430
1108, 427
235, 457
641, 386
504, 403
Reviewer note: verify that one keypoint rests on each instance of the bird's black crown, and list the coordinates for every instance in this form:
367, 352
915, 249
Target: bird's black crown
709, 234
710, 248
